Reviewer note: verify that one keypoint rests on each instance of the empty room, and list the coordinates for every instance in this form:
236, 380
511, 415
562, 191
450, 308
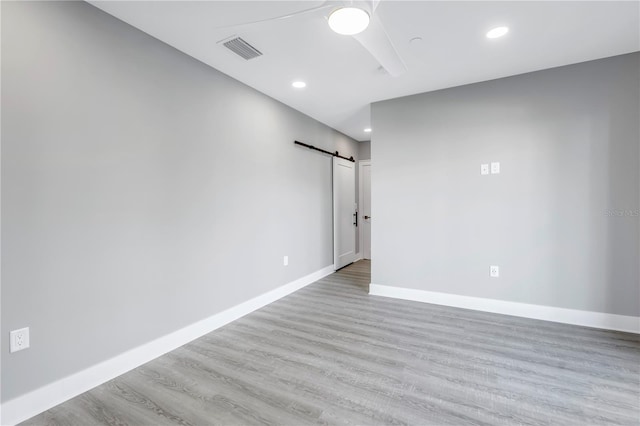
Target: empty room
310, 212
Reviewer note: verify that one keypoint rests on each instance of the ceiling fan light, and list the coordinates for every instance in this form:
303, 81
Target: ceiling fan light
349, 20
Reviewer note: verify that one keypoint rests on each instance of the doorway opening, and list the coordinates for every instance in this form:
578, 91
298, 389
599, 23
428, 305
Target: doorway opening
364, 210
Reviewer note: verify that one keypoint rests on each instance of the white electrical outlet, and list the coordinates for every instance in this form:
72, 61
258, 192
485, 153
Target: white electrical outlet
484, 169
494, 271
495, 168
19, 339
285, 261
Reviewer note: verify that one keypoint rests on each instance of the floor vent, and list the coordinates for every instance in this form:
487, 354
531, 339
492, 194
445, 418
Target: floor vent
242, 48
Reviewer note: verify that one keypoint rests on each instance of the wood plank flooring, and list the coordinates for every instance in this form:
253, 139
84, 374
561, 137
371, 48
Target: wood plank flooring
332, 354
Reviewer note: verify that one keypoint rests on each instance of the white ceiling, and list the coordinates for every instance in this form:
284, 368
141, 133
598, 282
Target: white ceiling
343, 79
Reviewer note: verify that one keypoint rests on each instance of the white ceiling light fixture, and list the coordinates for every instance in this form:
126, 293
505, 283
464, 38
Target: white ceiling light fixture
349, 20
299, 84
367, 130
497, 32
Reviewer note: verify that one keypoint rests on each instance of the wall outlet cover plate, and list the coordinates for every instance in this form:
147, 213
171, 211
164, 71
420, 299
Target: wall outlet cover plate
494, 271
19, 339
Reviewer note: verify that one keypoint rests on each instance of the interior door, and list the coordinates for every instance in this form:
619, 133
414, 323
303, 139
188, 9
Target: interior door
365, 209
344, 212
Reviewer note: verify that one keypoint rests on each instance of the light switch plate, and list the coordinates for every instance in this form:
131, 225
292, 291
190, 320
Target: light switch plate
495, 168
285, 261
484, 169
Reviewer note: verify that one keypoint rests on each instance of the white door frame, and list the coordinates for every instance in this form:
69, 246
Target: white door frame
360, 204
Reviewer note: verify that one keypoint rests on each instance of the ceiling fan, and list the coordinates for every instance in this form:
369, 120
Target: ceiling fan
356, 18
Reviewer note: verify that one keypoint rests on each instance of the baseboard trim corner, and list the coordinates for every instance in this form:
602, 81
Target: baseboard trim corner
35, 402
602, 320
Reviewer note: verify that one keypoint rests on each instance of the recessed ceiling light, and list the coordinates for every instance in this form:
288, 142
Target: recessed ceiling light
367, 130
497, 32
299, 84
349, 20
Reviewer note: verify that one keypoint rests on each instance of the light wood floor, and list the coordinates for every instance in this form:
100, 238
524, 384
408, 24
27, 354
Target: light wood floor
332, 354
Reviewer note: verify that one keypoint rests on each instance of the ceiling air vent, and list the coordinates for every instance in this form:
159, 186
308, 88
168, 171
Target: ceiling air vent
242, 48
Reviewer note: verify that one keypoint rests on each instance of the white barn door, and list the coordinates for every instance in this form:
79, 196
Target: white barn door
344, 212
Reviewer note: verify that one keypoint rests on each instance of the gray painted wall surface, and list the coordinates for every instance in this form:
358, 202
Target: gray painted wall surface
142, 191
568, 143
364, 150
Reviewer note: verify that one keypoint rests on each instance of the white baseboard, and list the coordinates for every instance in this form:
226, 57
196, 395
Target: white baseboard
358, 257
548, 313
26, 406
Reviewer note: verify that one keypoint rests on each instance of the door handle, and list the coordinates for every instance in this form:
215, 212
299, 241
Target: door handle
367, 217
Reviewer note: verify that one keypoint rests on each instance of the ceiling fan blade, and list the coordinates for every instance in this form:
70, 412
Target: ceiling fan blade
242, 25
378, 43
374, 5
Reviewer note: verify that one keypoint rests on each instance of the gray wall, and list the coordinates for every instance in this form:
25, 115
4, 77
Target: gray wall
561, 220
142, 191
364, 150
